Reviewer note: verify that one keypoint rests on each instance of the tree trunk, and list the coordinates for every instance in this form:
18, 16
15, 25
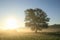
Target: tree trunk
35, 30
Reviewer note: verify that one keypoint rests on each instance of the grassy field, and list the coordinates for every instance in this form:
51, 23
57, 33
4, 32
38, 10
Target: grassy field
30, 36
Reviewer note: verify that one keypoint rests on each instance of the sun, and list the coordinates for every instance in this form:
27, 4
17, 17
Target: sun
11, 23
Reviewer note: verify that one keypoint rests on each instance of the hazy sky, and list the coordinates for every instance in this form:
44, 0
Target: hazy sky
16, 9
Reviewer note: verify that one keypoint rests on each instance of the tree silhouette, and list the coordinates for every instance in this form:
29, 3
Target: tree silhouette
36, 19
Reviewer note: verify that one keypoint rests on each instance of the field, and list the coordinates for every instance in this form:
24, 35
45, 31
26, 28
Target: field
45, 35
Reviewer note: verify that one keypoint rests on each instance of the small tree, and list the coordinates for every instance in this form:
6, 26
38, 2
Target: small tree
36, 19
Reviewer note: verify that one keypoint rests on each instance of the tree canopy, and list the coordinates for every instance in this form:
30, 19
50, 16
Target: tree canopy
36, 19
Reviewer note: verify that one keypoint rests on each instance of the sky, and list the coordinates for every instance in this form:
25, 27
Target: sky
16, 8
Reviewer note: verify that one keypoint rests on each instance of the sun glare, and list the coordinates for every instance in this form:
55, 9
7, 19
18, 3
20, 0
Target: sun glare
11, 23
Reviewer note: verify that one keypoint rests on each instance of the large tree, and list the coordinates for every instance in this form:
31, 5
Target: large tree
36, 19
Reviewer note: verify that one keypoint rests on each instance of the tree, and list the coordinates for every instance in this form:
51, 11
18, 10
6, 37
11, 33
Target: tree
36, 19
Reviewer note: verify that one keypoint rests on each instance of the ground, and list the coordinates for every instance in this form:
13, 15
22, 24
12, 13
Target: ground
30, 36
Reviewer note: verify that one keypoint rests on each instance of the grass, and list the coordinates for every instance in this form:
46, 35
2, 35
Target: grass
31, 36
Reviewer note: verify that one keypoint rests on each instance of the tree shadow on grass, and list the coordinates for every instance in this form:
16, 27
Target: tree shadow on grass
54, 34
50, 33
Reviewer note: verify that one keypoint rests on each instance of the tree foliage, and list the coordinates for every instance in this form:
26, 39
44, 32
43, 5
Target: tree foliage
36, 19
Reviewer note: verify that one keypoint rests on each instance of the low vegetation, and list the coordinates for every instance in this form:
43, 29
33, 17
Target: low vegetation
30, 36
